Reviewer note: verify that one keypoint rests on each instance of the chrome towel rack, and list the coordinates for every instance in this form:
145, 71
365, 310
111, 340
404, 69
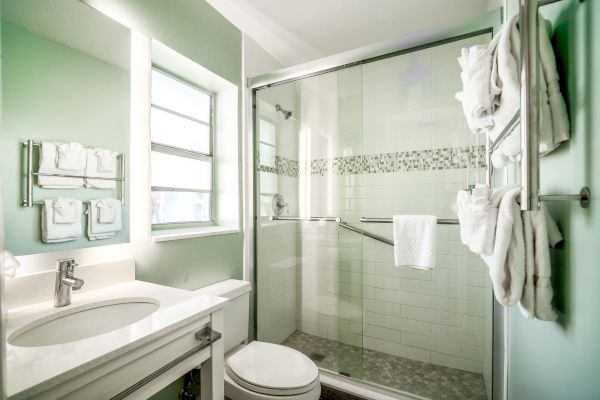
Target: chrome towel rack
28, 200
528, 116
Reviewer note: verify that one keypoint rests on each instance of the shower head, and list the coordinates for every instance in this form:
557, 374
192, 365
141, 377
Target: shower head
286, 113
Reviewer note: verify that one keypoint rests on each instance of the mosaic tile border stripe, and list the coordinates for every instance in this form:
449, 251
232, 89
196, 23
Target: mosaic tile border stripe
280, 166
414, 160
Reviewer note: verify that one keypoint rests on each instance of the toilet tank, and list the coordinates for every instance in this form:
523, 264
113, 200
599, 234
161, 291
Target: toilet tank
236, 313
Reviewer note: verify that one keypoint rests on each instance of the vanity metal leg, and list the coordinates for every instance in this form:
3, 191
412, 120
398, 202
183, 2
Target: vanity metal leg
212, 370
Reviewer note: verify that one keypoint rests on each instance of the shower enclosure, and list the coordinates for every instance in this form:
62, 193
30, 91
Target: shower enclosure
372, 139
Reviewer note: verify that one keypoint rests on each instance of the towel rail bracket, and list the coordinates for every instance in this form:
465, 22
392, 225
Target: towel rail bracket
584, 197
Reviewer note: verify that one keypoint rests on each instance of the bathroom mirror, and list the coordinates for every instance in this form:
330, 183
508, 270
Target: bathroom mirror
65, 78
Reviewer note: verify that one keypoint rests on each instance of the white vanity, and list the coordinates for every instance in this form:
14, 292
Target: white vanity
125, 340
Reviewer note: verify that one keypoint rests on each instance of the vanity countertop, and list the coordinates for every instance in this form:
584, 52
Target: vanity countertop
32, 369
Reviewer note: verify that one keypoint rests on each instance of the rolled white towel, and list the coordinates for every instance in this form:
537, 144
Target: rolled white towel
478, 97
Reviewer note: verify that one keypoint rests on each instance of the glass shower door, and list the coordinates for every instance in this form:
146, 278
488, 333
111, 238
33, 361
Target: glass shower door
309, 273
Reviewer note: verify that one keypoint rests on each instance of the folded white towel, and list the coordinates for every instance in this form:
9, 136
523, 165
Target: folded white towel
9, 264
507, 261
97, 230
71, 156
65, 211
536, 301
415, 240
95, 157
48, 165
62, 232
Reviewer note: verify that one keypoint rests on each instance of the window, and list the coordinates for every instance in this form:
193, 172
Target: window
266, 159
181, 124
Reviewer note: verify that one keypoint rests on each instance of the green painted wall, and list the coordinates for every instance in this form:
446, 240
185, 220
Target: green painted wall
562, 360
53, 92
194, 29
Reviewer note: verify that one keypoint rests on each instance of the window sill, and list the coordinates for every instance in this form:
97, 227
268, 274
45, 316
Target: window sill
189, 233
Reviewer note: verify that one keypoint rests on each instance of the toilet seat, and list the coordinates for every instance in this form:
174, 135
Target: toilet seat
272, 369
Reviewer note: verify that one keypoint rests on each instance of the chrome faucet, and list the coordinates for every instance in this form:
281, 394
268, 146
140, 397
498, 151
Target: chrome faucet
65, 281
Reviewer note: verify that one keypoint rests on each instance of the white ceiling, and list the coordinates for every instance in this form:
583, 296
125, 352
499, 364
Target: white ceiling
297, 31
73, 24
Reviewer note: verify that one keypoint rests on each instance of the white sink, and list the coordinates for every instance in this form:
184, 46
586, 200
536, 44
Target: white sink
82, 322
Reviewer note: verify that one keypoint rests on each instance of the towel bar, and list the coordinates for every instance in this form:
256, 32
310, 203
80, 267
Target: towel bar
441, 221
28, 200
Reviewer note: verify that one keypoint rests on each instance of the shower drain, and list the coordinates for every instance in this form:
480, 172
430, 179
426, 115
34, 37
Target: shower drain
316, 357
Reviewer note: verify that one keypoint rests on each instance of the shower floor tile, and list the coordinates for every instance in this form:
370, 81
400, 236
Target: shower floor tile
416, 377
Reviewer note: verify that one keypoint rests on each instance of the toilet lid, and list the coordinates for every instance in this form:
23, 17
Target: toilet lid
270, 368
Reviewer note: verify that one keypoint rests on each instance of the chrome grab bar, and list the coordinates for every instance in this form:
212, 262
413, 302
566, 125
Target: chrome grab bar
440, 221
340, 223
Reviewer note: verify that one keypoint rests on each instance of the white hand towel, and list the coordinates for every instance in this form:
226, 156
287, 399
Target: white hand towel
56, 233
482, 221
536, 301
71, 156
107, 210
477, 218
9, 264
561, 127
507, 262
65, 211
97, 230
107, 160
93, 169
48, 165
463, 200
415, 240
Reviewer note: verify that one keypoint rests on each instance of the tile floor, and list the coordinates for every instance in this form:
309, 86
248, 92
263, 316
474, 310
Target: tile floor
428, 380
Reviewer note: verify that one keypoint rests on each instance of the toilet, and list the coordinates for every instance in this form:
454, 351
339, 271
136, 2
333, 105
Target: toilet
259, 370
